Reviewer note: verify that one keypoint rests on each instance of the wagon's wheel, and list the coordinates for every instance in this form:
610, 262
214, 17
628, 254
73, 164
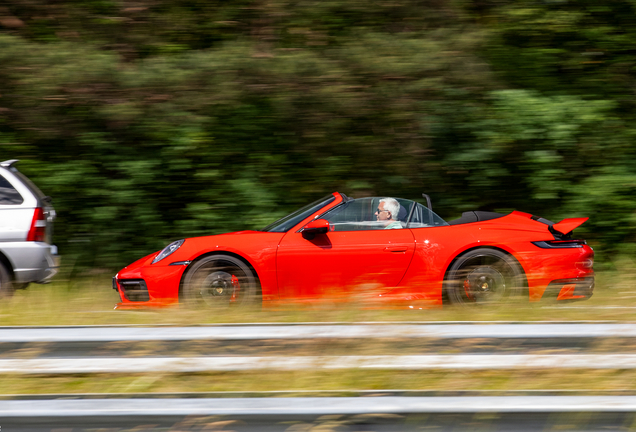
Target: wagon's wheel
6, 285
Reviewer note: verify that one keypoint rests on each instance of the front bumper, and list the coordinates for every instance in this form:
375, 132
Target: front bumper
144, 285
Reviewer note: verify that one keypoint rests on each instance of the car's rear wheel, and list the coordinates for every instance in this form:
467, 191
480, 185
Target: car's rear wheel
484, 277
6, 285
219, 281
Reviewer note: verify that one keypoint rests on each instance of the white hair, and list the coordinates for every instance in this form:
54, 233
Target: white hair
392, 206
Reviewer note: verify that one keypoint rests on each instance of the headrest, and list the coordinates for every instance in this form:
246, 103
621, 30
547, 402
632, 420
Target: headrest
402, 214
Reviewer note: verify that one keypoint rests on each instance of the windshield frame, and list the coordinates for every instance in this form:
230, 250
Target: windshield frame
288, 222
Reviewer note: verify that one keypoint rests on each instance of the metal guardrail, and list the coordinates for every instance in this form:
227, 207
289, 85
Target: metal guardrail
312, 406
275, 413
89, 365
528, 414
315, 331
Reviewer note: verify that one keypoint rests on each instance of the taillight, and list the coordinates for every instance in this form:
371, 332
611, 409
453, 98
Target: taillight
37, 232
558, 244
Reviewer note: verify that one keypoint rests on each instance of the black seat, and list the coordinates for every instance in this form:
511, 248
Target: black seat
402, 214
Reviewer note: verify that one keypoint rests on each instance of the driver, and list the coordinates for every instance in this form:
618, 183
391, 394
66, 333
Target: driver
387, 213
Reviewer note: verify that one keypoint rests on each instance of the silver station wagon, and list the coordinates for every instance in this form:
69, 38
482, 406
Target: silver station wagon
26, 227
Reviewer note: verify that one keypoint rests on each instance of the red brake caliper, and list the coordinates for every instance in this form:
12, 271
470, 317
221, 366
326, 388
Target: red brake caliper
237, 289
467, 289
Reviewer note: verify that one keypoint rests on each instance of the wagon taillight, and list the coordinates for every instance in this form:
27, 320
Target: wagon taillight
37, 232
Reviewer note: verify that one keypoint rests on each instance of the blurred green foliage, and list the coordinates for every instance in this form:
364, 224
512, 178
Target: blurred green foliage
152, 120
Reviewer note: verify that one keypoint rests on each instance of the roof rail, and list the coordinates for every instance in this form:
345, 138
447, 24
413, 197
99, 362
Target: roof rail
8, 163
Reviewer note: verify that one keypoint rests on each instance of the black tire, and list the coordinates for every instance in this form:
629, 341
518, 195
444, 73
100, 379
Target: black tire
486, 277
6, 285
219, 281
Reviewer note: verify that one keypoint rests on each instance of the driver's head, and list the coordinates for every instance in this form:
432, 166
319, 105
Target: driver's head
388, 209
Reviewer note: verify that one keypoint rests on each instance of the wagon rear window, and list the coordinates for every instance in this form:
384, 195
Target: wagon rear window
29, 184
8, 194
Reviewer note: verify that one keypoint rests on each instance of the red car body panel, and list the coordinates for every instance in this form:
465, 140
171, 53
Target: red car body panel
404, 267
329, 264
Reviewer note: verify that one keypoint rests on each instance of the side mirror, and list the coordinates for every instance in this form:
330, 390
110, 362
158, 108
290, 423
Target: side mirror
318, 226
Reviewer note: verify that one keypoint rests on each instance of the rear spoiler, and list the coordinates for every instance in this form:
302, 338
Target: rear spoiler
8, 163
566, 226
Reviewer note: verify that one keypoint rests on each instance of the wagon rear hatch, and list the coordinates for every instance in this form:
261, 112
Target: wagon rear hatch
46, 213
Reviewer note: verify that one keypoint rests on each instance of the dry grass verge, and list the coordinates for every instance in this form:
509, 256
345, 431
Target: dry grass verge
90, 301
352, 380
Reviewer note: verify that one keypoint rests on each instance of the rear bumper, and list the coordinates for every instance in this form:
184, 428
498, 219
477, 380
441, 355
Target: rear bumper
560, 273
570, 289
31, 261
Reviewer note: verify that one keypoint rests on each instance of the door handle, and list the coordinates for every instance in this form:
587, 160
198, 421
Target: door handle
395, 249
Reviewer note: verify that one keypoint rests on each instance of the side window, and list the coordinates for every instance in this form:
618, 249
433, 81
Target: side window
355, 215
8, 194
360, 215
424, 218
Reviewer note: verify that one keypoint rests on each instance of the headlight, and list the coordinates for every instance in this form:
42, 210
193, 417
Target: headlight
168, 250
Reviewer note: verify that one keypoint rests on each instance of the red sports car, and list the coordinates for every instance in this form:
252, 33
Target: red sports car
382, 251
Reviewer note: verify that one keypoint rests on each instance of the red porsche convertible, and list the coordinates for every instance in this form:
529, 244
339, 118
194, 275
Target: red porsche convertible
382, 251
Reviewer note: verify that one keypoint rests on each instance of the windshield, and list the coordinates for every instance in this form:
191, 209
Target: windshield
289, 221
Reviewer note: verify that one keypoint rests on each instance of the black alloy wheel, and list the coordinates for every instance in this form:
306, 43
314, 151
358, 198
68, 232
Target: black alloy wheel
484, 277
219, 281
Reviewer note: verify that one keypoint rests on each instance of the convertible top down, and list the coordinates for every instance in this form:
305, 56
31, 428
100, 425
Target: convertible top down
373, 250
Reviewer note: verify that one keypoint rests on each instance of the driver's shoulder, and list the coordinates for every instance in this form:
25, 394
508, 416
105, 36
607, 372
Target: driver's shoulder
394, 225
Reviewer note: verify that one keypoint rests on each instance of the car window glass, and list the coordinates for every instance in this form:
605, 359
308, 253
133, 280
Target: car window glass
422, 217
289, 221
360, 215
8, 194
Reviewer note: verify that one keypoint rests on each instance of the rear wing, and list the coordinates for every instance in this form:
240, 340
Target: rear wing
566, 226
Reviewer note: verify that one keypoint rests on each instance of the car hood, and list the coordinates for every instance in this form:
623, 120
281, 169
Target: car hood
243, 243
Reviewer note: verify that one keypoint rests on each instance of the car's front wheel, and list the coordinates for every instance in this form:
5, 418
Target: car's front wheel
484, 277
219, 281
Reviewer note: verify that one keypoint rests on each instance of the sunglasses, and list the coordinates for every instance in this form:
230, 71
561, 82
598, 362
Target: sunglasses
380, 211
